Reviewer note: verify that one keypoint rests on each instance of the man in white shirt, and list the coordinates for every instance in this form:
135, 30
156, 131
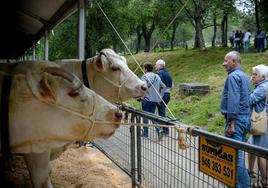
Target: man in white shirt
246, 41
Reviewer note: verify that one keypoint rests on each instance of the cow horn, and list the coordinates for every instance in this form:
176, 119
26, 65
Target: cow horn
66, 75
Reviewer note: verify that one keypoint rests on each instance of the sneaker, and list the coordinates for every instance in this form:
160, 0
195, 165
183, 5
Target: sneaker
166, 133
145, 136
160, 136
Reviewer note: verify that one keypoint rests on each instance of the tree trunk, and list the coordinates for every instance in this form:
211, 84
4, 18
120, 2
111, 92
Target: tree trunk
139, 35
147, 40
174, 27
214, 32
224, 31
147, 34
199, 38
257, 13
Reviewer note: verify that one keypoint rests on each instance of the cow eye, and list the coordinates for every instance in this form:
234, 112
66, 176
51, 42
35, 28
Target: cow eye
73, 93
115, 68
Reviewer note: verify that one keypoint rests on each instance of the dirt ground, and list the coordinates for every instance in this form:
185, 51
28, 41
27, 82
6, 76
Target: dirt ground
84, 167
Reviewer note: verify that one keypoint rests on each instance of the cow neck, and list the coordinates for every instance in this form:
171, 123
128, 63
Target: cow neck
84, 73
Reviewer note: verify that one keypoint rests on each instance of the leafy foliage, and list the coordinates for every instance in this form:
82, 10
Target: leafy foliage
63, 40
143, 24
264, 13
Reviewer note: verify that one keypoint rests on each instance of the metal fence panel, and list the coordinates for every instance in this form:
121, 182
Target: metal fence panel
154, 163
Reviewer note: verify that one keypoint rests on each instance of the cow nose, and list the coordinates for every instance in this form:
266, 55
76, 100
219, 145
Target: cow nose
118, 116
144, 87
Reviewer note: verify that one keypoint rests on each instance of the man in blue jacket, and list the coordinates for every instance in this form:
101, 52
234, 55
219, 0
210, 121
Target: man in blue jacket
236, 109
160, 67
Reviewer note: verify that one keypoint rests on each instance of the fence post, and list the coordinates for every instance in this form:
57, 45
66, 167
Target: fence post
133, 149
138, 120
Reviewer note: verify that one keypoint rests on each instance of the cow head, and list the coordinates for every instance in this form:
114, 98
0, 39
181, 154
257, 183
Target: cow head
61, 110
111, 77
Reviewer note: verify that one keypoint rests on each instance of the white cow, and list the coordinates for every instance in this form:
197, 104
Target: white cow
107, 74
50, 108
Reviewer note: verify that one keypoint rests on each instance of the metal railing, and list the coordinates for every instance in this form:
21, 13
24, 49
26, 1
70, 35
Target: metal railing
153, 163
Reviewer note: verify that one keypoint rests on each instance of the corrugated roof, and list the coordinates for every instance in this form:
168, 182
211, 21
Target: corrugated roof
24, 22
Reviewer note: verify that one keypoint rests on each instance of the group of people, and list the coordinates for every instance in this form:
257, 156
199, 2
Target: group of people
237, 103
158, 93
239, 40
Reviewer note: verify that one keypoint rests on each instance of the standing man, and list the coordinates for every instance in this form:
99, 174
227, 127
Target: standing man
246, 41
237, 40
160, 67
152, 96
236, 110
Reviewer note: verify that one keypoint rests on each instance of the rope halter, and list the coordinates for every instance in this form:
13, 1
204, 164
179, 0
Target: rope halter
117, 85
77, 85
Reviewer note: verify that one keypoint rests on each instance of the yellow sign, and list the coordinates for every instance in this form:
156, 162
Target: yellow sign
218, 160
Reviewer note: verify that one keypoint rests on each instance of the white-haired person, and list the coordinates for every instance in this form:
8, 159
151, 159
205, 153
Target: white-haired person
160, 67
258, 101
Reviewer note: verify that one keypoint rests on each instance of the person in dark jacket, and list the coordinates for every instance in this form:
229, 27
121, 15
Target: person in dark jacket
160, 67
237, 40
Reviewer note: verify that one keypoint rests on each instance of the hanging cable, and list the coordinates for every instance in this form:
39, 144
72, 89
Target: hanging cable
138, 64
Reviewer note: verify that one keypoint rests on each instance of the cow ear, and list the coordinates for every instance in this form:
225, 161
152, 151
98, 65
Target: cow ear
124, 59
100, 63
43, 86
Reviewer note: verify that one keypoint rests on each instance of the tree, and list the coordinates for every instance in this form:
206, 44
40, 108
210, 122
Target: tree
195, 11
184, 35
257, 13
139, 33
146, 16
63, 40
212, 16
226, 7
170, 20
99, 32
264, 14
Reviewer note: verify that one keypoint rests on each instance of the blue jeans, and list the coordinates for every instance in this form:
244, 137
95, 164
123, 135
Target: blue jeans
260, 45
246, 46
162, 109
148, 106
237, 45
242, 125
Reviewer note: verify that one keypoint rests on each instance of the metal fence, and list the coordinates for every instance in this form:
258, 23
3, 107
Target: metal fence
153, 163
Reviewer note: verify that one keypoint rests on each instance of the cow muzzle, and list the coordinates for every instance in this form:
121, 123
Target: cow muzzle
118, 117
143, 88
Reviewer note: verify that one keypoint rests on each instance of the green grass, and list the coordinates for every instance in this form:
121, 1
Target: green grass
195, 66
